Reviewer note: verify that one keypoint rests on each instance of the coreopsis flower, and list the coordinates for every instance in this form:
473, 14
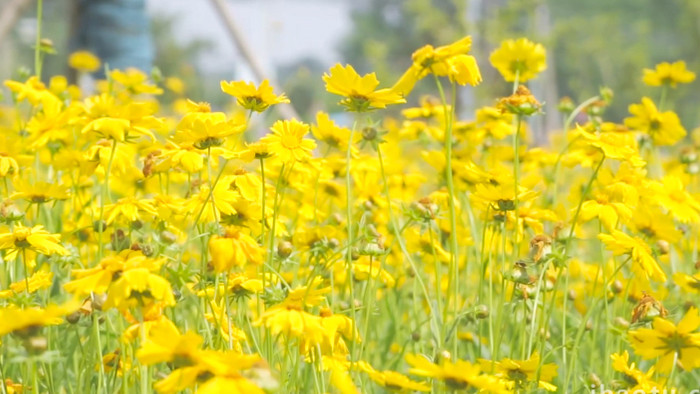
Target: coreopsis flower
129, 210
206, 129
8, 165
326, 131
520, 57
501, 197
33, 90
450, 61
613, 145
635, 378
103, 115
670, 74
234, 249
689, 283
229, 332
84, 61
39, 280
28, 321
164, 343
643, 263
134, 81
32, 238
667, 341
39, 192
459, 375
287, 141
394, 381
221, 202
664, 128
51, 124
522, 102
519, 374
359, 92
607, 211
673, 197
252, 98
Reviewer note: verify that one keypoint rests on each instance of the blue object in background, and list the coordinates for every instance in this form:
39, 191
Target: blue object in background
117, 31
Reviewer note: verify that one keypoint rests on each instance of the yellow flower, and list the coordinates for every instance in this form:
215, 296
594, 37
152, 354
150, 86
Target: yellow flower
664, 128
638, 380
252, 98
33, 238
164, 343
326, 131
221, 202
8, 165
614, 145
608, 212
84, 61
520, 57
519, 373
135, 81
644, 264
234, 249
395, 381
668, 74
138, 287
457, 376
668, 341
204, 130
287, 141
27, 321
674, 197
130, 209
39, 192
39, 280
360, 94
449, 61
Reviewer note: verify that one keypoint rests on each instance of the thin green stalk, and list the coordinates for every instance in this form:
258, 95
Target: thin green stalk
37, 48
453, 287
348, 251
105, 193
402, 246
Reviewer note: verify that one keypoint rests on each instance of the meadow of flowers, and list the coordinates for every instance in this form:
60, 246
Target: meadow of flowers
147, 248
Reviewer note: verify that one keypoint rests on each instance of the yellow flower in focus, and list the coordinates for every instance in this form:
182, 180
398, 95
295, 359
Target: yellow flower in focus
520, 373
164, 343
33, 238
664, 128
644, 263
129, 209
613, 145
252, 98
287, 141
84, 61
670, 74
522, 58
234, 249
360, 94
667, 341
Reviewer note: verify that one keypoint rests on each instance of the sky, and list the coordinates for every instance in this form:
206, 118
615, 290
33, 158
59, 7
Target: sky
279, 31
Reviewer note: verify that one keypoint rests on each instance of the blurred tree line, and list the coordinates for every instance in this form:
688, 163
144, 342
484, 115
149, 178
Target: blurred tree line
589, 44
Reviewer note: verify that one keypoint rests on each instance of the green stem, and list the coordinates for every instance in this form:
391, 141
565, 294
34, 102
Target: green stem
348, 251
105, 193
453, 287
37, 48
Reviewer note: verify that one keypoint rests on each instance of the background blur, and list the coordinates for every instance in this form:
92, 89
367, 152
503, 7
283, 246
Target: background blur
590, 44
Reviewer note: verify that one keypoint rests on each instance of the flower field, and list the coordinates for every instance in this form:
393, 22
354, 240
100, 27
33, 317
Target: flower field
147, 248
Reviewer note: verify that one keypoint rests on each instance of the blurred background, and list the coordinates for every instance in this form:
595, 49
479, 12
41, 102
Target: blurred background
590, 44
